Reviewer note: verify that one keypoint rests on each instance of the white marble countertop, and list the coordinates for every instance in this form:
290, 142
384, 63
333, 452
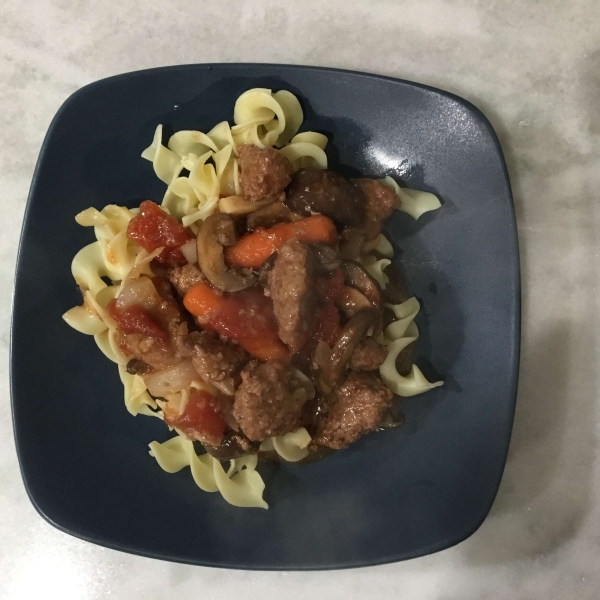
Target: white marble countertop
534, 69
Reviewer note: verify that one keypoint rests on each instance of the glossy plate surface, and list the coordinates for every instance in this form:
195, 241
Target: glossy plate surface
394, 495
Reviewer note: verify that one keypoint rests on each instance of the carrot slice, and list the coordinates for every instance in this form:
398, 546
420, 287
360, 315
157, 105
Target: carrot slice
246, 317
203, 301
253, 249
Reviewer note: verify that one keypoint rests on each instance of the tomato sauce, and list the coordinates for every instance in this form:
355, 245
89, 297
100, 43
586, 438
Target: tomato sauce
327, 328
331, 288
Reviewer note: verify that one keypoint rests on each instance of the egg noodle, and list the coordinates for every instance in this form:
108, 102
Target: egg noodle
212, 184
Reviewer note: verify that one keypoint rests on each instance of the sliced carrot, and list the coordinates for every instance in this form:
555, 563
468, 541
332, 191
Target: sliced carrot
253, 249
203, 301
246, 317
265, 348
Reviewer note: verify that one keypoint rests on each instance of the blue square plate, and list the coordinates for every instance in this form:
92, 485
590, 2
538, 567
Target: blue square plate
394, 495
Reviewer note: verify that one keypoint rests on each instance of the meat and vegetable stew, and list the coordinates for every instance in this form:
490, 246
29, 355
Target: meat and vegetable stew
251, 311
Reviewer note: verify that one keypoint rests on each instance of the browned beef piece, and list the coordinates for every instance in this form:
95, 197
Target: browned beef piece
380, 202
185, 278
217, 361
291, 290
264, 173
325, 192
148, 349
368, 356
355, 408
267, 402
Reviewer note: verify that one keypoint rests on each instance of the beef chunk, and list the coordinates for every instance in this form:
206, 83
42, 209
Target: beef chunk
380, 202
291, 291
368, 355
150, 350
264, 173
268, 401
355, 408
217, 361
325, 192
185, 278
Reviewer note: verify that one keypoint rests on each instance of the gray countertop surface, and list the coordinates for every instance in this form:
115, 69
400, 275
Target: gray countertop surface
534, 69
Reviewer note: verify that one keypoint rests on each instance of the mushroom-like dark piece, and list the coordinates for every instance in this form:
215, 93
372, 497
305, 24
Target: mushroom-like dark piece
218, 231
325, 259
234, 445
351, 301
137, 367
354, 332
270, 215
356, 276
392, 418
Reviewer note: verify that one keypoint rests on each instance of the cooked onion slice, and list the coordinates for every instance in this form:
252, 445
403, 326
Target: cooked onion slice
138, 292
189, 251
236, 205
172, 379
354, 332
218, 231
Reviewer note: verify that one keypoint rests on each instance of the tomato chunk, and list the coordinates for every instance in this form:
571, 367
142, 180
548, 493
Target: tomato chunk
201, 418
136, 319
153, 228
